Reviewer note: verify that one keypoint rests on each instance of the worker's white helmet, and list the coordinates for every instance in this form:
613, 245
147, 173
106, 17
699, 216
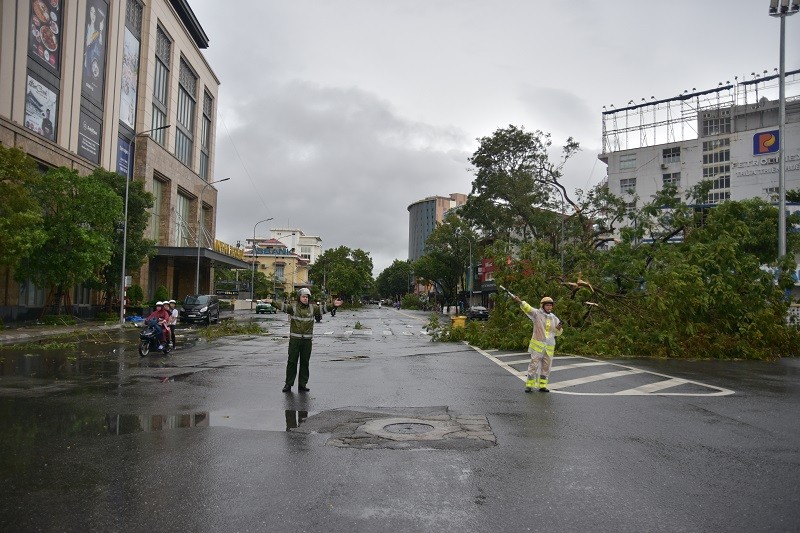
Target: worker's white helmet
304, 291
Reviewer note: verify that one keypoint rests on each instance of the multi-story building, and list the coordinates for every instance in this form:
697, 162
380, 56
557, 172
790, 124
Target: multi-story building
123, 85
423, 215
285, 257
729, 135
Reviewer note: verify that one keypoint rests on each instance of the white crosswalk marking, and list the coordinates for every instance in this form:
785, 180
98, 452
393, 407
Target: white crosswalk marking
590, 379
653, 387
578, 363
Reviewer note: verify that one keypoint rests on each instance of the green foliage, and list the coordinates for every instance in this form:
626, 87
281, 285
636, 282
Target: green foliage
58, 320
138, 248
20, 216
358, 325
135, 294
348, 273
395, 280
161, 294
708, 296
412, 301
516, 185
79, 225
227, 328
446, 257
443, 331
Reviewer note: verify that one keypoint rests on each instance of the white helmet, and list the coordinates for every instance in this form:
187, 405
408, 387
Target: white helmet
172, 301
304, 291
159, 303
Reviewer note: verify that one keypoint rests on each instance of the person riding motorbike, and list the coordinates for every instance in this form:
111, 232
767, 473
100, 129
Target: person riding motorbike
160, 320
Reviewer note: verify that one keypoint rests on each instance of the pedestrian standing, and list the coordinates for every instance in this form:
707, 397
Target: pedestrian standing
173, 320
301, 332
546, 327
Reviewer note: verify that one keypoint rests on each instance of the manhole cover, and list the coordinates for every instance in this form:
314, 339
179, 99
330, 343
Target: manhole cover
408, 428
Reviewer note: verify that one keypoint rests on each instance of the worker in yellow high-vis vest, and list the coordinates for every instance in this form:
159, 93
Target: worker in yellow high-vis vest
546, 327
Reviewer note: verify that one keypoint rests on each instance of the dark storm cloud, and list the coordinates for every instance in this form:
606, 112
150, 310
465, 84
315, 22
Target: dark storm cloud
337, 163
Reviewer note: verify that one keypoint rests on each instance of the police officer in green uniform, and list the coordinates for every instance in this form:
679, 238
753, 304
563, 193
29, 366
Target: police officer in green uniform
301, 331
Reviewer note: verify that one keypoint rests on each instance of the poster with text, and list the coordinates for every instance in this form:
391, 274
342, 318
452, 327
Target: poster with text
41, 108
89, 129
44, 38
124, 157
130, 79
94, 51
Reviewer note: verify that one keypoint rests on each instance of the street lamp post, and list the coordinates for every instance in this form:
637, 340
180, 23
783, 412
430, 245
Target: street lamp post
781, 9
125, 226
253, 271
200, 231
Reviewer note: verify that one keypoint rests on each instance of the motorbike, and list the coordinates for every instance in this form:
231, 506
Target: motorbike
150, 339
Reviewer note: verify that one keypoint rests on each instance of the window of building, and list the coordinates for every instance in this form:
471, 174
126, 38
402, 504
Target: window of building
716, 126
722, 182
279, 272
719, 156
673, 178
716, 144
182, 237
630, 206
187, 102
627, 185
305, 252
161, 85
715, 197
713, 171
30, 295
671, 155
155, 213
627, 161
205, 135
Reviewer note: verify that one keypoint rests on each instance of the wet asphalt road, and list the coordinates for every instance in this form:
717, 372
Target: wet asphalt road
206, 440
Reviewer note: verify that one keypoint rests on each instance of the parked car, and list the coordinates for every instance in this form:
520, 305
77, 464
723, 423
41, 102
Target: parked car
200, 308
477, 312
264, 307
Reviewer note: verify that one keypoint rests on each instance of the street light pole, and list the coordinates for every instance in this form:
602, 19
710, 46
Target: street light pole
782, 11
125, 225
253, 271
200, 231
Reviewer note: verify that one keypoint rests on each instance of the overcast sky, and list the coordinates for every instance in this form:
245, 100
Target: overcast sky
334, 115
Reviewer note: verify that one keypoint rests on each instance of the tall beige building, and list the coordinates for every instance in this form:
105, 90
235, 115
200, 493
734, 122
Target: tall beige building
120, 84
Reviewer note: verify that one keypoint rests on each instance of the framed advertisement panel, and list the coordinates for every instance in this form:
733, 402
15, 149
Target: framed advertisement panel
44, 33
94, 51
41, 108
89, 131
130, 80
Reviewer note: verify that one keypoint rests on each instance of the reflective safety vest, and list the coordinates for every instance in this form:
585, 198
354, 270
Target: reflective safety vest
544, 335
302, 322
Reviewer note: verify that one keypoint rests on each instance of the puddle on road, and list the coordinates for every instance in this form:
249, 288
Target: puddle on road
286, 420
94, 356
18, 419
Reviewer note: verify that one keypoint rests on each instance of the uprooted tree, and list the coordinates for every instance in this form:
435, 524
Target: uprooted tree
682, 278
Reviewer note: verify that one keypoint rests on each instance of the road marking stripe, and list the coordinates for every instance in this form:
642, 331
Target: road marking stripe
653, 387
577, 365
590, 379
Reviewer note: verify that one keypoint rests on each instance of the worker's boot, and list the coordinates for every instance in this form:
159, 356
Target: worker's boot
543, 385
531, 384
